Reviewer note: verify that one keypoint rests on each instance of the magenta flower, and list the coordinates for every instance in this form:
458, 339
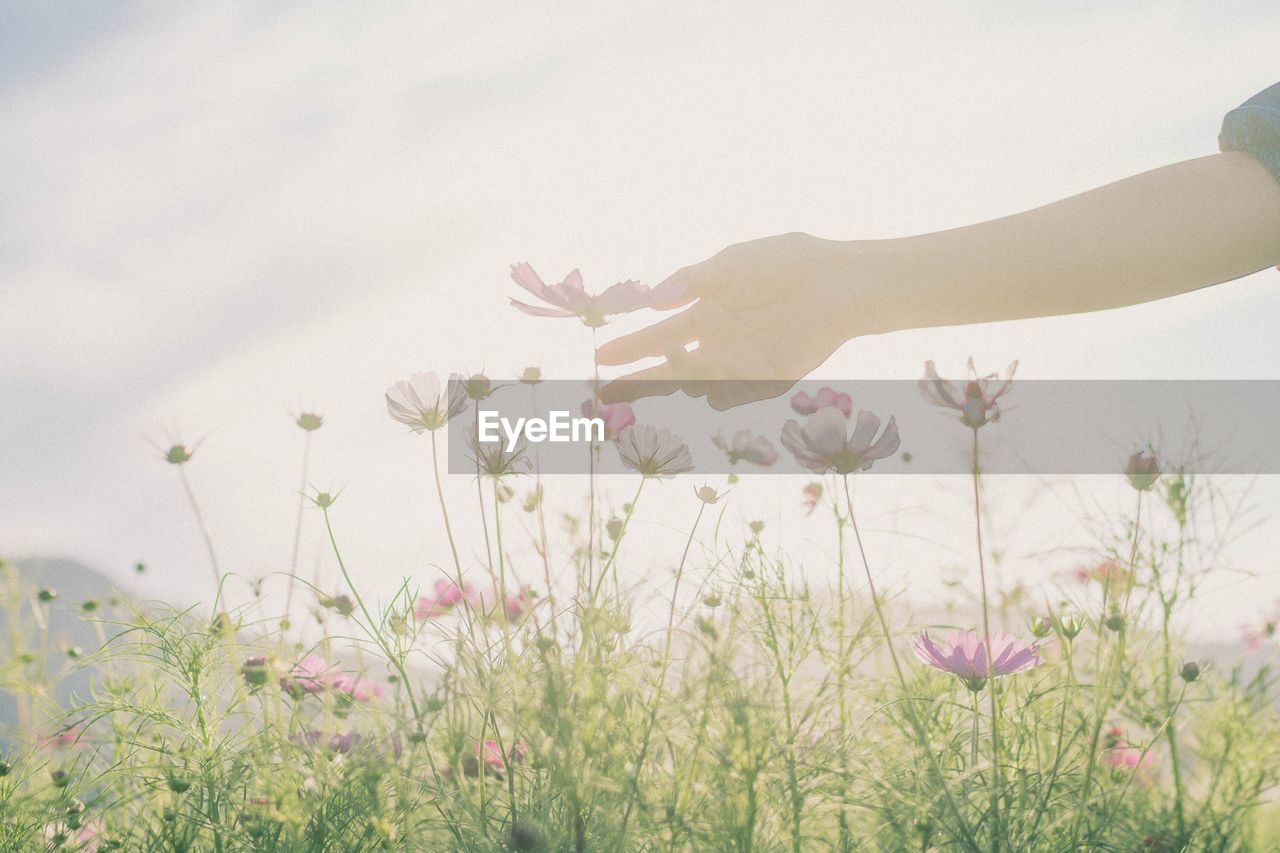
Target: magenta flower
975, 398
616, 417
964, 655
570, 299
803, 404
447, 596
742, 446
822, 444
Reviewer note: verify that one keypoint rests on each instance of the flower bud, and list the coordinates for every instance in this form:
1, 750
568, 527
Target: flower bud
531, 376
1190, 671
89, 605
707, 495
178, 454
614, 528
340, 603
46, 595
1041, 627
1114, 622
5, 768
712, 599
478, 387
526, 835
309, 421
1142, 471
178, 785
255, 671
1069, 626
324, 500
60, 778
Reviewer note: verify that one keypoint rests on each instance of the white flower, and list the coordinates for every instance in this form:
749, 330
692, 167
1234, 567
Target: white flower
419, 403
822, 444
741, 446
653, 452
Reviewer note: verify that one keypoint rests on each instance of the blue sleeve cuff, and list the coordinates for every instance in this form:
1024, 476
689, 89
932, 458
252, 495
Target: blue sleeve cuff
1254, 128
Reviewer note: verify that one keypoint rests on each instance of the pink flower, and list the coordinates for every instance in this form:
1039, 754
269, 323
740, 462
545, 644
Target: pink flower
1129, 758
1121, 755
447, 596
975, 398
355, 687
812, 495
616, 417
518, 604
964, 655
742, 446
570, 299
67, 736
489, 755
309, 675
822, 443
1258, 635
803, 404
1110, 574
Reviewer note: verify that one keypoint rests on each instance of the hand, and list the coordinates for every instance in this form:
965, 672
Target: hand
765, 314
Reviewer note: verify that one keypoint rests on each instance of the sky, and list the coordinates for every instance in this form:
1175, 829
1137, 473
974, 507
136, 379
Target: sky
215, 216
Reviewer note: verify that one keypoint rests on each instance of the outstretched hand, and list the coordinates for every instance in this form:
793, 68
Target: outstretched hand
764, 314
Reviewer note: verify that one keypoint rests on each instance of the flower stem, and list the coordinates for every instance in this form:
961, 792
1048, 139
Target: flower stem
444, 511
297, 527
204, 533
662, 678
921, 735
996, 780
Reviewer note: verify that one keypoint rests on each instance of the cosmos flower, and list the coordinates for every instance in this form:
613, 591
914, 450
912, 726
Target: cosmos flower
1142, 471
355, 687
823, 443
1112, 575
446, 596
812, 495
1257, 635
308, 675
419, 403
570, 299
616, 417
964, 655
653, 452
976, 398
489, 756
742, 446
803, 404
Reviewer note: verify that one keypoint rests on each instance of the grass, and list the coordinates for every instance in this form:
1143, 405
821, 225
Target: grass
761, 714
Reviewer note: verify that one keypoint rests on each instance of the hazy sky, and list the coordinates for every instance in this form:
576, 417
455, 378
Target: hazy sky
212, 216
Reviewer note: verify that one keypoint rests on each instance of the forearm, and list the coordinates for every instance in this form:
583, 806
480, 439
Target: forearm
1157, 234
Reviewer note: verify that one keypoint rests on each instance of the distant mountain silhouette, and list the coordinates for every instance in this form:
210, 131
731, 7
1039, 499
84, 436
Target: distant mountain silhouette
68, 625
